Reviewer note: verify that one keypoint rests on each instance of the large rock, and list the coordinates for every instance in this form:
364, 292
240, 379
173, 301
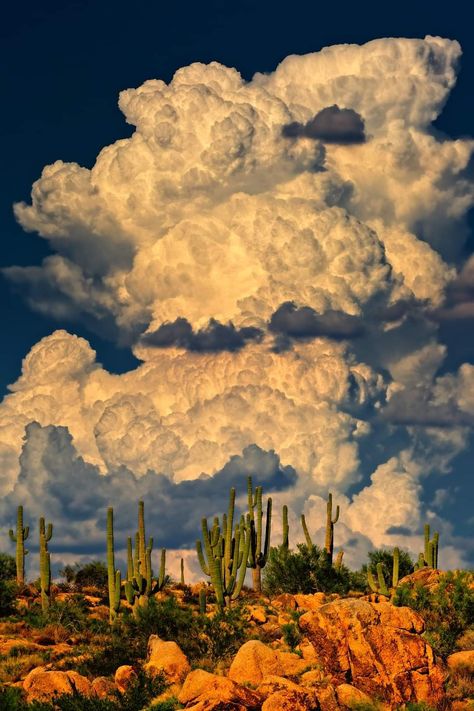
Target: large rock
209, 691
43, 685
103, 687
462, 660
348, 696
376, 647
166, 657
288, 700
310, 602
254, 661
125, 677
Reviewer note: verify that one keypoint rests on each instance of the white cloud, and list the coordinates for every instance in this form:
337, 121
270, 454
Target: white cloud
209, 211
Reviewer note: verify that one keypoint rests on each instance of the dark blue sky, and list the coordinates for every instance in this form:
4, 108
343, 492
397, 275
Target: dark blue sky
64, 62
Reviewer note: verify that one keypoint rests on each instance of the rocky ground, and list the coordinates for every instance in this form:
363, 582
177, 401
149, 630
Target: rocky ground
357, 652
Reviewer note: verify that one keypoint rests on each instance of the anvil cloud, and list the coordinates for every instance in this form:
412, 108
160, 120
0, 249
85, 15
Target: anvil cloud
279, 286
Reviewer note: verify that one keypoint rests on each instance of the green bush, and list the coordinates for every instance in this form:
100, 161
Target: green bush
83, 575
72, 614
8, 594
291, 635
448, 610
7, 567
306, 570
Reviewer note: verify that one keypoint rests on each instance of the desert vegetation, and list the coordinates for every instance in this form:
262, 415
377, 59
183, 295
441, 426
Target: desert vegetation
96, 639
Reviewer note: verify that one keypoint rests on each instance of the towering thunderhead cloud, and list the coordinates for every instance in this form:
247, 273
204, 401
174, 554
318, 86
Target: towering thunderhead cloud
312, 207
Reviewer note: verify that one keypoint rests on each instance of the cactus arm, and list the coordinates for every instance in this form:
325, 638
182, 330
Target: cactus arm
371, 580
202, 601
202, 561
268, 533
245, 536
396, 567
227, 532
162, 575
286, 528
258, 551
427, 543
435, 550
45, 564
309, 542
114, 592
382, 585
12, 536
250, 497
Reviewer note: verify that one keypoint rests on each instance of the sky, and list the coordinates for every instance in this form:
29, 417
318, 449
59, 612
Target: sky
294, 279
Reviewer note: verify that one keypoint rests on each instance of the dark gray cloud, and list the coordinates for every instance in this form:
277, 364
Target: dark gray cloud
216, 337
57, 483
331, 125
416, 406
304, 322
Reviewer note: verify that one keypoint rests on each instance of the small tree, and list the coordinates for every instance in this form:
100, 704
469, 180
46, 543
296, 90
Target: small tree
306, 570
7, 567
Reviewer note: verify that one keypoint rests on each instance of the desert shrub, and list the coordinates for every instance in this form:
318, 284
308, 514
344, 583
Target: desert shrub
83, 575
7, 567
71, 614
8, 594
306, 570
291, 635
223, 634
448, 610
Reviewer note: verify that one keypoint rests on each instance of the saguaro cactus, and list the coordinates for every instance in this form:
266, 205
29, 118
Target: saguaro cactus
224, 558
113, 576
202, 601
431, 548
380, 586
258, 557
429, 557
45, 534
182, 572
140, 583
330, 523
286, 528
22, 534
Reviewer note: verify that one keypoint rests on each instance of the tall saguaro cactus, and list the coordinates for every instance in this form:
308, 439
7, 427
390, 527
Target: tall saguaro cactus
114, 577
140, 584
330, 523
45, 534
225, 554
19, 538
257, 556
429, 557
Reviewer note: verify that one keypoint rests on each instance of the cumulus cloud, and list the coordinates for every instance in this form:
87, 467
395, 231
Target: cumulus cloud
331, 125
202, 242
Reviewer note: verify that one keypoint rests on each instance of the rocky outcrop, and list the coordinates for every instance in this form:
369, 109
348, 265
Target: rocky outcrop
167, 658
203, 691
376, 647
462, 660
125, 677
43, 685
254, 661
